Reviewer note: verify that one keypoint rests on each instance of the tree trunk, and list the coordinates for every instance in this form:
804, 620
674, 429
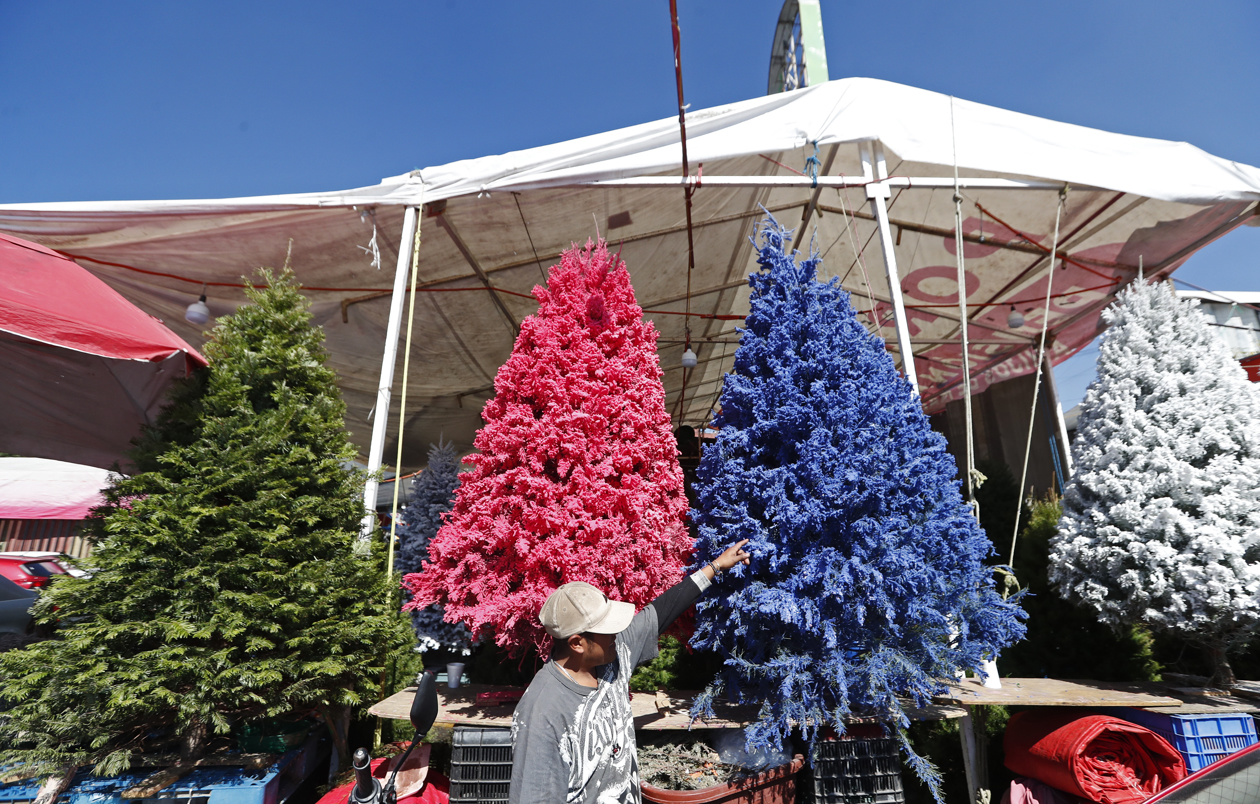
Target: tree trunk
1222, 673
337, 718
195, 741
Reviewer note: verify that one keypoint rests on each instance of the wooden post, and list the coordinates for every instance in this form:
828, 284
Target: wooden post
975, 754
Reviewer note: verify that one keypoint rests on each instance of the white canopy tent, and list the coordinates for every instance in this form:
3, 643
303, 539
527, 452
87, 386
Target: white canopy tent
880, 205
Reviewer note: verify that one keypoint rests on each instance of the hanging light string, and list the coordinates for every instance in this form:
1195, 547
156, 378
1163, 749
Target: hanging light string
973, 474
688, 190
1041, 354
517, 198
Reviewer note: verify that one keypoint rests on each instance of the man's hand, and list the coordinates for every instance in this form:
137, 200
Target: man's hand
730, 557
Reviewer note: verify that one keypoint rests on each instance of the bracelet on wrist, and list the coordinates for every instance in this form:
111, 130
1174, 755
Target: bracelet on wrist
716, 569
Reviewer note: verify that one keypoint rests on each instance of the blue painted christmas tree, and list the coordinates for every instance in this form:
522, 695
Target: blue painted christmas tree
866, 583
432, 496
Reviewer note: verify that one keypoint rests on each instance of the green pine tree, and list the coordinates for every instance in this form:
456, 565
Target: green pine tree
1066, 640
225, 586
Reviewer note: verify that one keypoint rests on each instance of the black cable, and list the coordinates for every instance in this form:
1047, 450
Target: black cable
517, 198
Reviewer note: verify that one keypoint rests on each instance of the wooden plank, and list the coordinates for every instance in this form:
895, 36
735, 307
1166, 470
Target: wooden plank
457, 706
1198, 692
159, 780
1215, 705
54, 786
651, 710
171, 769
1056, 692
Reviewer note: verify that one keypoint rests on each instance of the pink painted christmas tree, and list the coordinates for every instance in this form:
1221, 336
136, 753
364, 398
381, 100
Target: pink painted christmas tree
577, 477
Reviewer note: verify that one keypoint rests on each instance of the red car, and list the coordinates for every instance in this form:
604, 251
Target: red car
1233, 780
31, 570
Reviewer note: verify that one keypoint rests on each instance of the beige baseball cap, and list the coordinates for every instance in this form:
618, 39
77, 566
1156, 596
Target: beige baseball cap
578, 607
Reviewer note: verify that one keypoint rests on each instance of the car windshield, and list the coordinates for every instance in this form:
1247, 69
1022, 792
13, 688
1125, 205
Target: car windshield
1236, 782
42, 569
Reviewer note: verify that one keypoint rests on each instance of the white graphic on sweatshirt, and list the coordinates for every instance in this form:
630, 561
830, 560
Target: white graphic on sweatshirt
602, 738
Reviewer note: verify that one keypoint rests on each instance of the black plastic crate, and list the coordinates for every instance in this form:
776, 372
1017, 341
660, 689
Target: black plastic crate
858, 770
481, 765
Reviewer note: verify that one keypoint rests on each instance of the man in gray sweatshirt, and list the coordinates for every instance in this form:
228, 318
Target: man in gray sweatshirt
573, 732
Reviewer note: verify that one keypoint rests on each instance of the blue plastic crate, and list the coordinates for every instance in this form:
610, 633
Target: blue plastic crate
218, 785
1202, 738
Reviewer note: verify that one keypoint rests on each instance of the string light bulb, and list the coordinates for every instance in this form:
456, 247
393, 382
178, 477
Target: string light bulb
1015, 319
689, 358
198, 313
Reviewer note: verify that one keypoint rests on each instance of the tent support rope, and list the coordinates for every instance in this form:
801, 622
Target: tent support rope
971, 470
402, 412
1041, 355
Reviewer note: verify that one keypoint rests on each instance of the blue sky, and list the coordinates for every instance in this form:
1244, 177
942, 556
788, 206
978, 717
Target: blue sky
128, 100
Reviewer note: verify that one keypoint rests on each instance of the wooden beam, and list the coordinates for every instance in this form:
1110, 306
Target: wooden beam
481, 274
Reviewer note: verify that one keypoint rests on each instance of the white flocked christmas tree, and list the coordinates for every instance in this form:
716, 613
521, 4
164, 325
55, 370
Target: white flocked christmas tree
1161, 522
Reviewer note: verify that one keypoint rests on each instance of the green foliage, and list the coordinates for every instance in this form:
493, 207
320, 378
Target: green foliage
660, 673
997, 498
225, 586
1065, 640
676, 667
178, 423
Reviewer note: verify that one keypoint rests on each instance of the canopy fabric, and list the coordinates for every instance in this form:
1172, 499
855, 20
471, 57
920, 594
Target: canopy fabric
500, 221
81, 368
49, 298
34, 488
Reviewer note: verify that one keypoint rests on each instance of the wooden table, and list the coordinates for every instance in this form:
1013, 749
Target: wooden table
970, 693
459, 707
652, 711
1058, 692
662, 711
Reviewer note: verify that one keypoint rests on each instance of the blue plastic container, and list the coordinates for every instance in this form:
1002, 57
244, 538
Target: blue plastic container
220, 785
1202, 738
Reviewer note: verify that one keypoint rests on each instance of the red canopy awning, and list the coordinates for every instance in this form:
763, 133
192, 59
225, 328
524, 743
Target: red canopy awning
81, 368
34, 488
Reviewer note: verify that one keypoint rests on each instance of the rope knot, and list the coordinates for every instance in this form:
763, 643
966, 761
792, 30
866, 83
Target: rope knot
812, 163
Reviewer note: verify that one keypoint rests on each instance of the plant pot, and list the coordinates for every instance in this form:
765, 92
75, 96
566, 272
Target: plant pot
773, 786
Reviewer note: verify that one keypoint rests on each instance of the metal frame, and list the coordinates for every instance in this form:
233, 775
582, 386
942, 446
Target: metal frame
878, 186
875, 180
907, 182
787, 70
878, 190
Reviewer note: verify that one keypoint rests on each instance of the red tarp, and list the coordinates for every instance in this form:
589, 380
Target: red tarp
436, 788
1100, 758
81, 368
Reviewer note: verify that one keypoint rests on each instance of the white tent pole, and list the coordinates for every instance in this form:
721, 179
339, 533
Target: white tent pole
878, 192
1060, 424
380, 415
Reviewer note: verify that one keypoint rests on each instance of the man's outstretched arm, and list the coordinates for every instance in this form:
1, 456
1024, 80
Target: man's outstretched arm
678, 598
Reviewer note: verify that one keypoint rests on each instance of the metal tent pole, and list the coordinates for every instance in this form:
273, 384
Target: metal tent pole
380, 420
875, 171
1060, 424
